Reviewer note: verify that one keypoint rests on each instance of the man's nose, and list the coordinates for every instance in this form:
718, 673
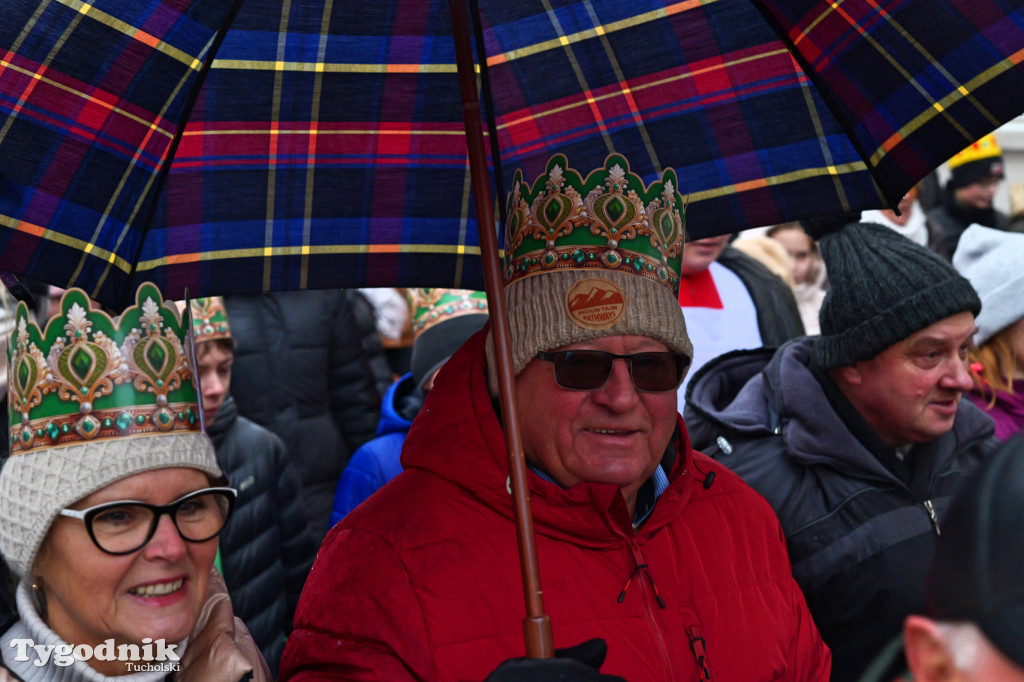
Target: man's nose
618, 392
959, 376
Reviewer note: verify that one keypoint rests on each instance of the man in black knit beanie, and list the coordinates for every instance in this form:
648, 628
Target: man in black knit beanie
858, 438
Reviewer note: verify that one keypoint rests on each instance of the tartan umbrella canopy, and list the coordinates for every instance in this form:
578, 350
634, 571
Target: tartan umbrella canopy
325, 145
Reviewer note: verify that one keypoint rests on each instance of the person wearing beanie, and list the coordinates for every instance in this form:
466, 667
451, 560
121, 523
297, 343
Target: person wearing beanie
657, 563
858, 437
443, 319
973, 627
975, 174
267, 548
990, 259
106, 439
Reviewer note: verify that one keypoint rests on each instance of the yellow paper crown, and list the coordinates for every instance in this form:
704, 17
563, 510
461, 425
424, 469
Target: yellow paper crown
985, 148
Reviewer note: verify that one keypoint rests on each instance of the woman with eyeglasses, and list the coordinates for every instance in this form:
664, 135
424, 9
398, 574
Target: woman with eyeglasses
111, 504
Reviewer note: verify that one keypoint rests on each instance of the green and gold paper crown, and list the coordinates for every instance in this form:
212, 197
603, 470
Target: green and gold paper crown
209, 319
89, 378
608, 221
430, 307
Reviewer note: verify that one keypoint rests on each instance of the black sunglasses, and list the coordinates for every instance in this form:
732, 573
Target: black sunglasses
586, 370
126, 526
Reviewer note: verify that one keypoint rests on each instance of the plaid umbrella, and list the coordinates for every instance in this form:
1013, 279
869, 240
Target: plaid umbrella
325, 146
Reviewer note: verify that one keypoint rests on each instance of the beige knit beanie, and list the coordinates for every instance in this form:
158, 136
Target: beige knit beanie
591, 257
92, 401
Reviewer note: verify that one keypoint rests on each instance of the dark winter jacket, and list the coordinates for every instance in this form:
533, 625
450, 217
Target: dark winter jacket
301, 371
422, 581
859, 538
266, 549
948, 220
373, 348
778, 317
379, 460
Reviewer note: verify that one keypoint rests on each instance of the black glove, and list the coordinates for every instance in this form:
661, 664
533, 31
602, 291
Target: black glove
580, 663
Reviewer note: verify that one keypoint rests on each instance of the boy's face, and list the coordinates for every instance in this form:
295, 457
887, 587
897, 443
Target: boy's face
214, 376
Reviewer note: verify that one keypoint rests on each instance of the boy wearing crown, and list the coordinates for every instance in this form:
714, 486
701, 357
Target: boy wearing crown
267, 549
442, 320
663, 554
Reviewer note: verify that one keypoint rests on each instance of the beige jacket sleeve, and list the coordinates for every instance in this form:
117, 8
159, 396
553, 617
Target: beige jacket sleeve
220, 646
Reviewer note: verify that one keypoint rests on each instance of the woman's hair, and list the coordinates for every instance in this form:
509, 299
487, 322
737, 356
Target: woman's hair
992, 365
792, 225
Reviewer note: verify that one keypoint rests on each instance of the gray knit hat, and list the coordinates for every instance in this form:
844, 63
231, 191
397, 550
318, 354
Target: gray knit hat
990, 259
592, 257
92, 401
883, 288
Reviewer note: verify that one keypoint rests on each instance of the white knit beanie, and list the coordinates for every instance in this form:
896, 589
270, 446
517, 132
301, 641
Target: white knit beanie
91, 402
591, 257
991, 260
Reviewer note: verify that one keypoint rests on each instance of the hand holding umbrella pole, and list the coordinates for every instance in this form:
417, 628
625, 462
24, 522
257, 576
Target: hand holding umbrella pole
537, 626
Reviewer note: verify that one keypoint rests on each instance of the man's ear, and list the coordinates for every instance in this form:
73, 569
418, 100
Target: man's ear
849, 375
928, 656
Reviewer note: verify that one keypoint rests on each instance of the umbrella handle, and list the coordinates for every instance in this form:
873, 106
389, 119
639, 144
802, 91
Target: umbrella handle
537, 625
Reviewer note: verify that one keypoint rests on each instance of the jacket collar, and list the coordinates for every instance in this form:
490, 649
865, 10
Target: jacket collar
458, 436
760, 393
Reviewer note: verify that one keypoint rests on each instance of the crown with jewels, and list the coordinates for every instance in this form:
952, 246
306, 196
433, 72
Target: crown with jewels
89, 378
608, 221
431, 307
209, 318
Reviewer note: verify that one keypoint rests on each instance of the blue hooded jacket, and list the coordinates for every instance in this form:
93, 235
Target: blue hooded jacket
378, 461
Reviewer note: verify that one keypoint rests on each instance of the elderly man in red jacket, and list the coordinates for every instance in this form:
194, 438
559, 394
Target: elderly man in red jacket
663, 554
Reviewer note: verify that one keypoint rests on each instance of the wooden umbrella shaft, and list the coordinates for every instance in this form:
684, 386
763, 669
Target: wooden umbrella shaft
537, 625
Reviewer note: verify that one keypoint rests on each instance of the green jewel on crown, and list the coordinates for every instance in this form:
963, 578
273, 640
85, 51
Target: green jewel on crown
209, 319
88, 377
608, 221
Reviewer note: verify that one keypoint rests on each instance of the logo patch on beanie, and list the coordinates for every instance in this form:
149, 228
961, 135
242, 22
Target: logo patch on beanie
595, 303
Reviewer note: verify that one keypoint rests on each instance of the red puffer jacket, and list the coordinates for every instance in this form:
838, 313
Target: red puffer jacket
422, 581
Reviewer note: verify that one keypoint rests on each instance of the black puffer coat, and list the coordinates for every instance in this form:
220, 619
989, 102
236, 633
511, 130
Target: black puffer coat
859, 537
301, 370
266, 549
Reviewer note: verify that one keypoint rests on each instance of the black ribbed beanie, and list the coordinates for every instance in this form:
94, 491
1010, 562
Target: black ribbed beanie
883, 288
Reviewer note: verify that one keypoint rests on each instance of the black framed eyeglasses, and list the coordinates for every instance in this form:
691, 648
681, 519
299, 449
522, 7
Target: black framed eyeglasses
586, 370
125, 526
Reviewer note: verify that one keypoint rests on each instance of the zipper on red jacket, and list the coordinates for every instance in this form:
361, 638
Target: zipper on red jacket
696, 636
639, 572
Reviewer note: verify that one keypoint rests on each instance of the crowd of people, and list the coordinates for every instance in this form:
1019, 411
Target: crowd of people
807, 466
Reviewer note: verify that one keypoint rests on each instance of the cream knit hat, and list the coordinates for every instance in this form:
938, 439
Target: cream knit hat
93, 401
592, 257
